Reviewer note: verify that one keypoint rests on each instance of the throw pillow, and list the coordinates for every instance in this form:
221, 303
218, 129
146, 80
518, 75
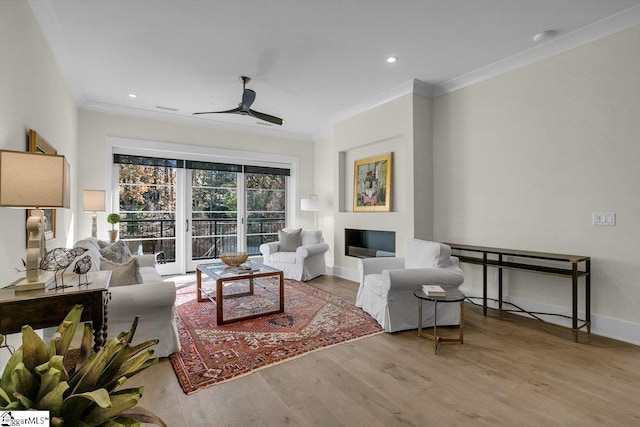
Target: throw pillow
289, 240
121, 274
103, 244
309, 237
118, 252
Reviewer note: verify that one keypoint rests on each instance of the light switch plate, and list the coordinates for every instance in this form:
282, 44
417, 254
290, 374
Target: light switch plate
603, 218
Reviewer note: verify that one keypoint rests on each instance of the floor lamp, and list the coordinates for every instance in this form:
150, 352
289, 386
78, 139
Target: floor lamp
93, 201
34, 181
312, 204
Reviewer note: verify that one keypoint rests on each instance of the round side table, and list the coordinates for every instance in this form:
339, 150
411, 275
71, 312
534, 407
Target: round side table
451, 296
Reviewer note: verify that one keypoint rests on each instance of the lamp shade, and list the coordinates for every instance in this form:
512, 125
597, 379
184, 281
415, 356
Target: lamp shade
93, 200
312, 204
34, 180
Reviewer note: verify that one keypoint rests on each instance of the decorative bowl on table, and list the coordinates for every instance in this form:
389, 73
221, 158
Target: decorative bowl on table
234, 259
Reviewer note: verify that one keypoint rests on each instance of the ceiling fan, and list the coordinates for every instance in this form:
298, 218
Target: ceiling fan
244, 108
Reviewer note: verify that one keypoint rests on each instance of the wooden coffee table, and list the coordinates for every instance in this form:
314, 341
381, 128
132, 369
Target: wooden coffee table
225, 276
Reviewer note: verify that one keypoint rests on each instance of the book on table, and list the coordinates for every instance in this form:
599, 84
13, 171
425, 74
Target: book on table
433, 291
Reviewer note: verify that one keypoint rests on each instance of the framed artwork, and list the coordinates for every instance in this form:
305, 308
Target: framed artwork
372, 184
37, 144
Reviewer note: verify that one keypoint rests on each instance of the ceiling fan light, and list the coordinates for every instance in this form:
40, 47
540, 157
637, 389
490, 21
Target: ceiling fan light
392, 59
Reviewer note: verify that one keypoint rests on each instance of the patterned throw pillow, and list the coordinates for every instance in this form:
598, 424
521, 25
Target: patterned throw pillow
288, 241
118, 252
121, 274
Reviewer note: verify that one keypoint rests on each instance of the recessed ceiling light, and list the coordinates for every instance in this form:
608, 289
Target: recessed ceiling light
544, 35
392, 59
133, 95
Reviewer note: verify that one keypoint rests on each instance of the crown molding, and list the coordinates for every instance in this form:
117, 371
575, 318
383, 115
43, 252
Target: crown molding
561, 43
411, 86
167, 116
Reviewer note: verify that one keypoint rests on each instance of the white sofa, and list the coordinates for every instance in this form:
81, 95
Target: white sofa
387, 285
301, 257
151, 299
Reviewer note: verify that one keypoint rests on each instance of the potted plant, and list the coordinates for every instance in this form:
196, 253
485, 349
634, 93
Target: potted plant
79, 387
113, 219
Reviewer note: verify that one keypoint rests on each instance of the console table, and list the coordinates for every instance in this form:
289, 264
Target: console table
44, 308
545, 263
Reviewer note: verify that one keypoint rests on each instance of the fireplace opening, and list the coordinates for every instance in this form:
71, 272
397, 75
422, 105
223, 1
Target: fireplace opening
369, 243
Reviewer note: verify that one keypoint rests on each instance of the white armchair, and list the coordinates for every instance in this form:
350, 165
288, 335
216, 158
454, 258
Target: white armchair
387, 285
298, 253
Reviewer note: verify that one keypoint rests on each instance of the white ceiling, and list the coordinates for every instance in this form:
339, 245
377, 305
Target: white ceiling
312, 62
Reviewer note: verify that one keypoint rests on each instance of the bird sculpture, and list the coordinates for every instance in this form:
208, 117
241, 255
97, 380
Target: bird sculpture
58, 260
83, 265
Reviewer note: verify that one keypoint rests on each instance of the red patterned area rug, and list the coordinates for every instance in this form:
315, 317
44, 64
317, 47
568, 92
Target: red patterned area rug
211, 354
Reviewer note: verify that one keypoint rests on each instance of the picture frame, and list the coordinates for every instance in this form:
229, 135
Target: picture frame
372, 184
37, 144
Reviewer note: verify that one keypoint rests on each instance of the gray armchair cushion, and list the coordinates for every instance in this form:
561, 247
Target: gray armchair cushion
289, 240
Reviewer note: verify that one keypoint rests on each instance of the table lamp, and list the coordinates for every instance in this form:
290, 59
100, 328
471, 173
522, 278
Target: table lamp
93, 201
311, 204
34, 181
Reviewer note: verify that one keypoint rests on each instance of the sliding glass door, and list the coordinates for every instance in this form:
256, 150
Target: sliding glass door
189, 212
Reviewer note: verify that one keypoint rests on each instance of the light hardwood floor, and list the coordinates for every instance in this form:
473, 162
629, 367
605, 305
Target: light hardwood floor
510, 371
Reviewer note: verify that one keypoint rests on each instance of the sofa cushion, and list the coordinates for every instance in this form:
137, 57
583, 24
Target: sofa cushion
289, 240
118, 252
288, 257
309, 237
121, 274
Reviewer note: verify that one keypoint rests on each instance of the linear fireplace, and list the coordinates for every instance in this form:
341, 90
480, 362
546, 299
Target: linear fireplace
369, 243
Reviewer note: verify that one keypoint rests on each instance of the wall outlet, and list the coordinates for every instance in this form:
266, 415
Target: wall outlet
603, 218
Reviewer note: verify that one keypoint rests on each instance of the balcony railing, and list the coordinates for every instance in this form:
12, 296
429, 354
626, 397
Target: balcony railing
211, 237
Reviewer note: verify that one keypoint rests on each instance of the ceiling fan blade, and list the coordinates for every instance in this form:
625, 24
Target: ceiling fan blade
248, 96
234, 110
266, 117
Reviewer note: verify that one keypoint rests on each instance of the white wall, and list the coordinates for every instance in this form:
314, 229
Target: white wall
33, 95
388, 128
94, 127
523, 159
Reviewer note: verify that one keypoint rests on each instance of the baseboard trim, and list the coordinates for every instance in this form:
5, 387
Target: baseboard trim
617, 329
346, 273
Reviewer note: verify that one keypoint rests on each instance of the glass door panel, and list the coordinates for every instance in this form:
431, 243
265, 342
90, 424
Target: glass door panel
147, 207
265, 209
214, 215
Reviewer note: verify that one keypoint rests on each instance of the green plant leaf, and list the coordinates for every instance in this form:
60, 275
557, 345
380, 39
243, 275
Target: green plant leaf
120, 401
5, 398
34, 350
121, 422
52, 401
67, 329
144, 416
5, 382
76, 404
86, 346
90, 373
24, 400
24, 381
48, 382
